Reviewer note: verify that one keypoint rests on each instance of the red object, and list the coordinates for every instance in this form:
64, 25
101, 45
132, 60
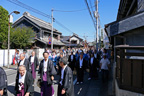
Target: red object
14, 61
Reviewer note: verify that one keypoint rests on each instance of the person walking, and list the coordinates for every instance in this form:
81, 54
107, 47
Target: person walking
3, 82
105, 66
72, 61
80, 67
24, 82
65, 87
47, 72
93, 67
24, 61
34, 63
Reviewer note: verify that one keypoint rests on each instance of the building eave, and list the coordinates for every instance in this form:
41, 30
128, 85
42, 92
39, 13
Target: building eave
125, 25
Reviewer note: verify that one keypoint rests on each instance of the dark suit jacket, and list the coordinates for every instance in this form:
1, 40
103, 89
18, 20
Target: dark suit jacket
50, 71
83, 64
36, 62
94, 64
67, 82
74, 59
28, 83
3, 80
26, 63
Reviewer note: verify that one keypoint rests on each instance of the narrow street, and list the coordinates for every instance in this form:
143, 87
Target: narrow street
88, 88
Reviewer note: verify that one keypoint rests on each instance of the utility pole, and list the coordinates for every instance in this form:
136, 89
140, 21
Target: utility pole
16, 12
8, 39
52, 30
97, 24
97, 19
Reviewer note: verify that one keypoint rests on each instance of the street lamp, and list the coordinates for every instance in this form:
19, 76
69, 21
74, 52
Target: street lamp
16, 12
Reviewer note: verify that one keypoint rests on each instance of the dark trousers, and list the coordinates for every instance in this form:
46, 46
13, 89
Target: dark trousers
60, 90
80, 74
72, 65
93, 72
105, 75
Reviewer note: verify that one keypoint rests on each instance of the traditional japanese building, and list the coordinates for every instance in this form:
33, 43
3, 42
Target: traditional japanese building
126, 35
42, 30
72, 41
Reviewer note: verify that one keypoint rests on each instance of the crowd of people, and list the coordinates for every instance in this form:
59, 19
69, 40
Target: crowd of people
66, 63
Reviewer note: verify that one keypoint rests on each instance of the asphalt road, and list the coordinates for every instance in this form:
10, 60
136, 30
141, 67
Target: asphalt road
88, 88
11, 75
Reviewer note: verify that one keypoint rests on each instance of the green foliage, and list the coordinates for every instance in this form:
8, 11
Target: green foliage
3, 27
22, 37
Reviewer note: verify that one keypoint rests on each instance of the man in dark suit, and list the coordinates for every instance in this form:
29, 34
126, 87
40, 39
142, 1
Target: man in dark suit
65, 87
93, 67
24, 61
72, 61
47, 72
34, 63
24, 82
80, 67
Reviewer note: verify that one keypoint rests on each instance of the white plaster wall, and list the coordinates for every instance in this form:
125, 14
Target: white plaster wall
76, 39
4, 56
41, 53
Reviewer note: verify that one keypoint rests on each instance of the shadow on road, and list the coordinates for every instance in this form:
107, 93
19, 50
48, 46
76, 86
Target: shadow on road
36, 94
11, 89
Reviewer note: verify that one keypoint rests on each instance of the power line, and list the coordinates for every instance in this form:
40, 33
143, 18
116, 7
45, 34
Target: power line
63, 26
73, 10
18, 3
91, 6
90, 13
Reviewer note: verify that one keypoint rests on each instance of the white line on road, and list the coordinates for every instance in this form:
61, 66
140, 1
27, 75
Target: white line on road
79, 91
11, 84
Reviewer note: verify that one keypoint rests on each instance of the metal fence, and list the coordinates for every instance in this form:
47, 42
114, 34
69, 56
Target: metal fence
130, 68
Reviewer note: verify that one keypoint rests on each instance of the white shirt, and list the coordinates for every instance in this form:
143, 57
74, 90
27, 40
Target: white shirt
62, 74
92, 59
95, 55
32, 59
22, 62
71, 57
81, 62
45, 65
105, 63
22, 78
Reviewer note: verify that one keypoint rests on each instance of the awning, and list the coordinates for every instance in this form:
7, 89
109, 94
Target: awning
55, 41
125, 25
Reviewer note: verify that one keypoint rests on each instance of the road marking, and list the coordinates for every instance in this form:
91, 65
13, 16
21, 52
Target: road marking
11, 83
79, 91
74, 82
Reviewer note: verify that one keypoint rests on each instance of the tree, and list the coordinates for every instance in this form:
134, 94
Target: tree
22, 37
3, 27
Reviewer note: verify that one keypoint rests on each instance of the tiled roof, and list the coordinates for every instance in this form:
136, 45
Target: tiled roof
38, 21
55, 41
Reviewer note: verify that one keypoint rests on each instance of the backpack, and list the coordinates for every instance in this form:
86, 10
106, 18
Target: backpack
3, 81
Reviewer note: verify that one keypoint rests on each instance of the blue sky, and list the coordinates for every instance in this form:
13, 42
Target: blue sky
78, 22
